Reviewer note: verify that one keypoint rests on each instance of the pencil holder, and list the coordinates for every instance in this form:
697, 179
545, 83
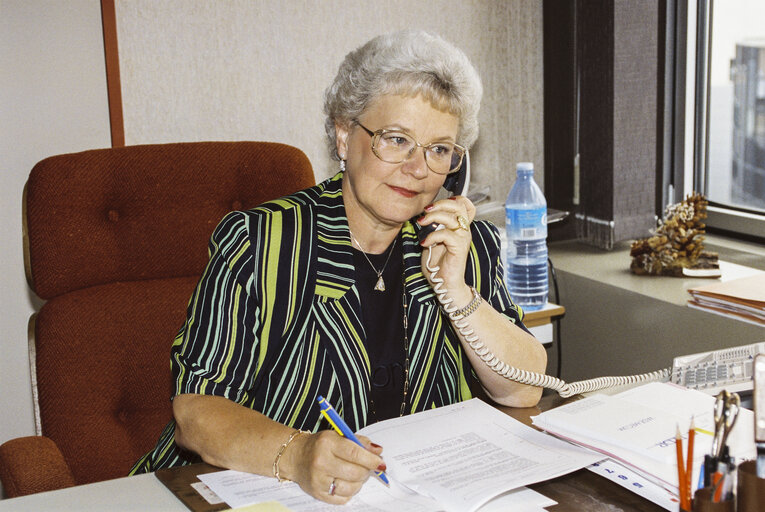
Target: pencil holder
702, 502
751, 490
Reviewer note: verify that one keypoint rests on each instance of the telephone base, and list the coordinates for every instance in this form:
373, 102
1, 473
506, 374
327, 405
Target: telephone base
711, 372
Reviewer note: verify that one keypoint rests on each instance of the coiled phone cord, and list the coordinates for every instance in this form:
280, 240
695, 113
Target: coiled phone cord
564, 389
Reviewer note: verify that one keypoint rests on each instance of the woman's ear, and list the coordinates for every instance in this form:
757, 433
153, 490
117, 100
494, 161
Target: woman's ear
341, 139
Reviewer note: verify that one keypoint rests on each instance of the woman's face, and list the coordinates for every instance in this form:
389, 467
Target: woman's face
381, 194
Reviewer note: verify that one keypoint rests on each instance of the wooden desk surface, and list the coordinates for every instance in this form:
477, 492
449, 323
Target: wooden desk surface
543, 316
575, 492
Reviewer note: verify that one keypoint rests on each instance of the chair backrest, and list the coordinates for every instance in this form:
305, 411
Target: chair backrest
115, 240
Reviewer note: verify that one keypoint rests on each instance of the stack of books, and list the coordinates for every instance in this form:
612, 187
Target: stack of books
743, 298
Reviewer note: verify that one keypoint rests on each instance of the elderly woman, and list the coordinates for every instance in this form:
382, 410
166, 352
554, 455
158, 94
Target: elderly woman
325, 292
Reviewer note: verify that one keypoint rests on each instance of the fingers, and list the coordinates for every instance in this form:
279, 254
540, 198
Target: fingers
454, 213
447, 209
342, 490
448, 248
336, 468
337, 491
369, 445
361, 460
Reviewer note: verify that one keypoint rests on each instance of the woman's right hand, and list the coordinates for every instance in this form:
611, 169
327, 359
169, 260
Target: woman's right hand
229, 435
317, 460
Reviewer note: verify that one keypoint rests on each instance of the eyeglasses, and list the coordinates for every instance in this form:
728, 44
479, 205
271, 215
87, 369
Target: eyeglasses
395, 146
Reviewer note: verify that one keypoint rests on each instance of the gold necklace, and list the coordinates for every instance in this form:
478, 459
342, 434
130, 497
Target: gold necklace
380, 285
406, 346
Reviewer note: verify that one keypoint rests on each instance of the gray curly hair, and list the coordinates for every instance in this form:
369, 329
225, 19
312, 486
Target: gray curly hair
410, 63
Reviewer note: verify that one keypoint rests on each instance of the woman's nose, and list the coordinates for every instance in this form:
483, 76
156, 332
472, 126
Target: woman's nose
416, 164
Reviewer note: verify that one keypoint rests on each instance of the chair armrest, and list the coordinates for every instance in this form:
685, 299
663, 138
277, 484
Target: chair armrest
33, 464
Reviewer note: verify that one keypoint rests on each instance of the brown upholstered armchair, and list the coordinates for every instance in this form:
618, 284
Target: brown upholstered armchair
115, 240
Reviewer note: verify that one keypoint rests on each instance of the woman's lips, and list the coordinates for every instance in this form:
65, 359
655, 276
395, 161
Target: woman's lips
403, 191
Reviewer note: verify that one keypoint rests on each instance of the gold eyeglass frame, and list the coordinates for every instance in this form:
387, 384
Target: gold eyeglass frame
379, 133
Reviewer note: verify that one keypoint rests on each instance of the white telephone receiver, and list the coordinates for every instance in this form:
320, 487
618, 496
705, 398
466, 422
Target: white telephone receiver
457, 183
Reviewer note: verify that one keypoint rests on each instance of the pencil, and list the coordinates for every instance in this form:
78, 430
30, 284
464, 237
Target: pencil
689, 464
717, 486
681, 485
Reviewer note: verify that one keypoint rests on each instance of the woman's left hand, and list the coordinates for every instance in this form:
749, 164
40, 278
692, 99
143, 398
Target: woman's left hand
510, 344
449, 247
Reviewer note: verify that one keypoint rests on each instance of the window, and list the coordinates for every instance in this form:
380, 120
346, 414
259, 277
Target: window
725, 112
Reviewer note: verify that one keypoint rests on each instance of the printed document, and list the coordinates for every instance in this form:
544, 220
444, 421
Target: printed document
454, 459
242, 489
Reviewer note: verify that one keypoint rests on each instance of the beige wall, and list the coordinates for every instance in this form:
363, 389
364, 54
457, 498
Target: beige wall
196, 70
201, 70
52, 100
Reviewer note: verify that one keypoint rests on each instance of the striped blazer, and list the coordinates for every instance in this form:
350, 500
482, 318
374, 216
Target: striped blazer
275, 319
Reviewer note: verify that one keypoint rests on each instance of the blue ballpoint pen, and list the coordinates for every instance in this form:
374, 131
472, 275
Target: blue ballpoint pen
341, 428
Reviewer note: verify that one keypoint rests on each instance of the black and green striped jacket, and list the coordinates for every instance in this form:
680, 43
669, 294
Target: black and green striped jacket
276, 320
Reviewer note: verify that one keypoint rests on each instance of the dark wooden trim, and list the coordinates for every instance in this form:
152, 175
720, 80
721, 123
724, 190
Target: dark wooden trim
559, 37
600, 93
597, 141
114, 88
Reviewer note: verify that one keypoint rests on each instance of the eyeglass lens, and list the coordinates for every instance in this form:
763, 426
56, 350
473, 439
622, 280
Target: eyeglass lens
395, 147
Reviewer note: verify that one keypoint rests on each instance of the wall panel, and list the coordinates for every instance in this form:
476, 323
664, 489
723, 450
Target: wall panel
200, 70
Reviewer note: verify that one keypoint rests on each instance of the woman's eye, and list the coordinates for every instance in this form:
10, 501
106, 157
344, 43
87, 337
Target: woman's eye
397, 139
440, 150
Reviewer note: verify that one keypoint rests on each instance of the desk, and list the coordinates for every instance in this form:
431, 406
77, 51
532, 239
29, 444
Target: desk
540, 322
138, 493
581, 490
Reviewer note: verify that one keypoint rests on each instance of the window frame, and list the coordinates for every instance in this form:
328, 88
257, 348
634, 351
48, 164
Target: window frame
727, 219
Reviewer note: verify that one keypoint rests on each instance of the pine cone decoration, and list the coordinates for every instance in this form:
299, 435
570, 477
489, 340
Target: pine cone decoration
677, 241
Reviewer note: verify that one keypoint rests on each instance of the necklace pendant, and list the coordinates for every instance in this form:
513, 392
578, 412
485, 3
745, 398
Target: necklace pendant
380, 286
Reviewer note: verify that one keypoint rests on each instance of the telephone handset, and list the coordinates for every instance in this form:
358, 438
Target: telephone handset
457, 183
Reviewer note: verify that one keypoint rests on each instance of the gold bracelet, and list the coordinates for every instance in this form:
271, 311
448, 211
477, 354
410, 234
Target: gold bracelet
472, 306
281, 452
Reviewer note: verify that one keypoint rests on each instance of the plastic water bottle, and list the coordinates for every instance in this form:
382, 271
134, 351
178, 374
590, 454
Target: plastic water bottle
526, 226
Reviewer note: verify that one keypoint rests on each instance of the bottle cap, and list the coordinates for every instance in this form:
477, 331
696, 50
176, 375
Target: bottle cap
525, 166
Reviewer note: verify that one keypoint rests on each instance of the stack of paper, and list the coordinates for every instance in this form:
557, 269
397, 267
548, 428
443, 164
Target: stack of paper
743, 298
637, 428
239, 490
459, 458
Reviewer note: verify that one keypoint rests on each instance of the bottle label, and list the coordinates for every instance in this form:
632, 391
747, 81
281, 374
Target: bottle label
527, 224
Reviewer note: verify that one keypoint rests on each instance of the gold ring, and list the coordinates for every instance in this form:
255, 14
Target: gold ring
463, 222
332, 488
